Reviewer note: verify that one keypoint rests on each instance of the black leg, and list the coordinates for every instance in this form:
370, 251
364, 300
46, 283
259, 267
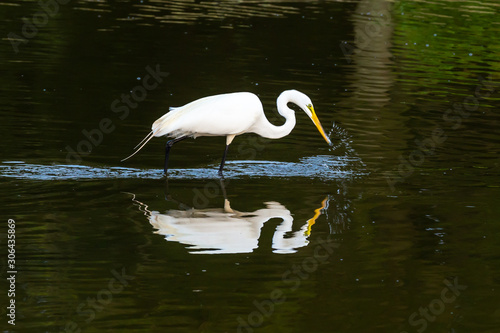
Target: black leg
167, 150
223, 160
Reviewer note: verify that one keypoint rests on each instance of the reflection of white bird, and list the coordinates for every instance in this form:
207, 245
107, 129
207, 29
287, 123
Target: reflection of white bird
215, 231
229, 115
224, 230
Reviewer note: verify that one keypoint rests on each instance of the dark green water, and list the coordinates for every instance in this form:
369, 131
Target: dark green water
393, 229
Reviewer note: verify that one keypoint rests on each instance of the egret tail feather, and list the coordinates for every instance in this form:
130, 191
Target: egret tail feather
145, 140
146, 137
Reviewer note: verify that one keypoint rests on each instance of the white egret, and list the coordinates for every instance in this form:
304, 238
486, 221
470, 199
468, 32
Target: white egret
228, 115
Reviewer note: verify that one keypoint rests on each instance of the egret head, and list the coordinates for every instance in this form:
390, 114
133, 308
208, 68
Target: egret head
304, 102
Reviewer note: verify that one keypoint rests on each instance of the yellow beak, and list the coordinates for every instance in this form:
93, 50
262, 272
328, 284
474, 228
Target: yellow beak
316, 122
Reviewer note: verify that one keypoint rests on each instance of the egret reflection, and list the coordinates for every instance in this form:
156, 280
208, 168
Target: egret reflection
225, 230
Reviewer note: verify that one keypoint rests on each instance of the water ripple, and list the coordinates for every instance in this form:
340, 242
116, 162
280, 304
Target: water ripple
319, 167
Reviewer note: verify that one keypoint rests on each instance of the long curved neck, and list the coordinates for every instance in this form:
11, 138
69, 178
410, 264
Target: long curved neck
270, 131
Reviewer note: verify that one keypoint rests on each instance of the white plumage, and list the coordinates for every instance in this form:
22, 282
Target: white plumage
228, 115
211, 116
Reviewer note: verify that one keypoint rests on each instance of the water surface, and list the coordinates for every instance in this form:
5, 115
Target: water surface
400, 216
